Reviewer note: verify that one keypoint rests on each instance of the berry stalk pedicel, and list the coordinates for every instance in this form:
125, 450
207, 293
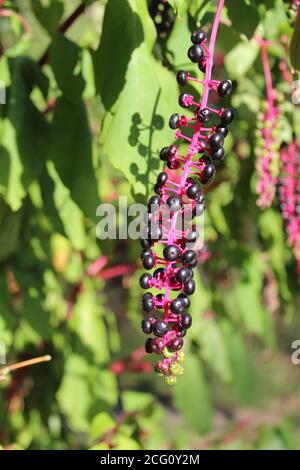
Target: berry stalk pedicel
168, 251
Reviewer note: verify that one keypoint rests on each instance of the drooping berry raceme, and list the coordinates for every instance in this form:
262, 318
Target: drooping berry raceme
289, 195
267, 144
166, 249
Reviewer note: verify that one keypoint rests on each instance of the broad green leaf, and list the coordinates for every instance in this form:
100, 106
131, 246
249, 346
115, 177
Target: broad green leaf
102, 423
88, 325
65, 59
295, 46
71, 152
241, 58
68, 211
136, 401
245, 18
48, 15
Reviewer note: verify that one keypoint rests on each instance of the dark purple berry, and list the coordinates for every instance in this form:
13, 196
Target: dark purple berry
224, 88
174, 121
198, 36
162, 178
172, 150
163, 155
189, 287
193, 191
153, 203
216, 141
204, 115
176, 344
155, 232
185, 301
149, 262
176, 306
146, 244
146, 253
227, 116
159, 273
183, 275
158, 345
208, 173
160, 328
188, 257
145, 280
183, 100
218, 155
171, 252
221, 129
158, 189
182, 77
195, 53
146, 326
149, 346
186, 321
175, 203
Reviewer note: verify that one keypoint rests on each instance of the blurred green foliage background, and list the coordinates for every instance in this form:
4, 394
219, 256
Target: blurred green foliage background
86, 115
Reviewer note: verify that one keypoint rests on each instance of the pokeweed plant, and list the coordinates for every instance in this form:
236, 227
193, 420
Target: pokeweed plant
267, 144
178, 189
289, 195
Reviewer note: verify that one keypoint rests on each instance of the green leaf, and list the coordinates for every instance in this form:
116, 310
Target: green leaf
68, 210
295, 46
241, 58
65, 59
89, 326
245, 18
101, 424
48, 15
192, 389
136, 401
176, 5
130, 134
71, 152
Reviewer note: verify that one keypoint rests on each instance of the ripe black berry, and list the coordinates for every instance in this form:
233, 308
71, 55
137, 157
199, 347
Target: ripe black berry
208, 173
224, 88
195, 53
174, 121
146, 253
204, 115
160, 328
189, 256
189, 287
186, 321
149, 346
146, 326
218, 155
145, 280
221, 129
198, 36
183, 275
227, 116
193, 191
148, 305
177, 306
171, 252
174, 203
163, 155
176, 344
216, 141
159, 273
146, 244
153, 203
157, 345
162, 178
182, 100
185, 301
149, 262
158, 189
182, 77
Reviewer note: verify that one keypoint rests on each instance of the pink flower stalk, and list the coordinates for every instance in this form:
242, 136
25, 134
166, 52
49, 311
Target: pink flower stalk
267, 150
178, 193
289, 193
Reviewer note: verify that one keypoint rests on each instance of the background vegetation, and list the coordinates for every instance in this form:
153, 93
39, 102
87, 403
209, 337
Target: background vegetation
88, 100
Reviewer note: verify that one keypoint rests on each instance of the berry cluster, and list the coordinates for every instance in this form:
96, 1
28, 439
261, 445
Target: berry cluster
173, 259
163, 16
289, 195
293, 9
267, 143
